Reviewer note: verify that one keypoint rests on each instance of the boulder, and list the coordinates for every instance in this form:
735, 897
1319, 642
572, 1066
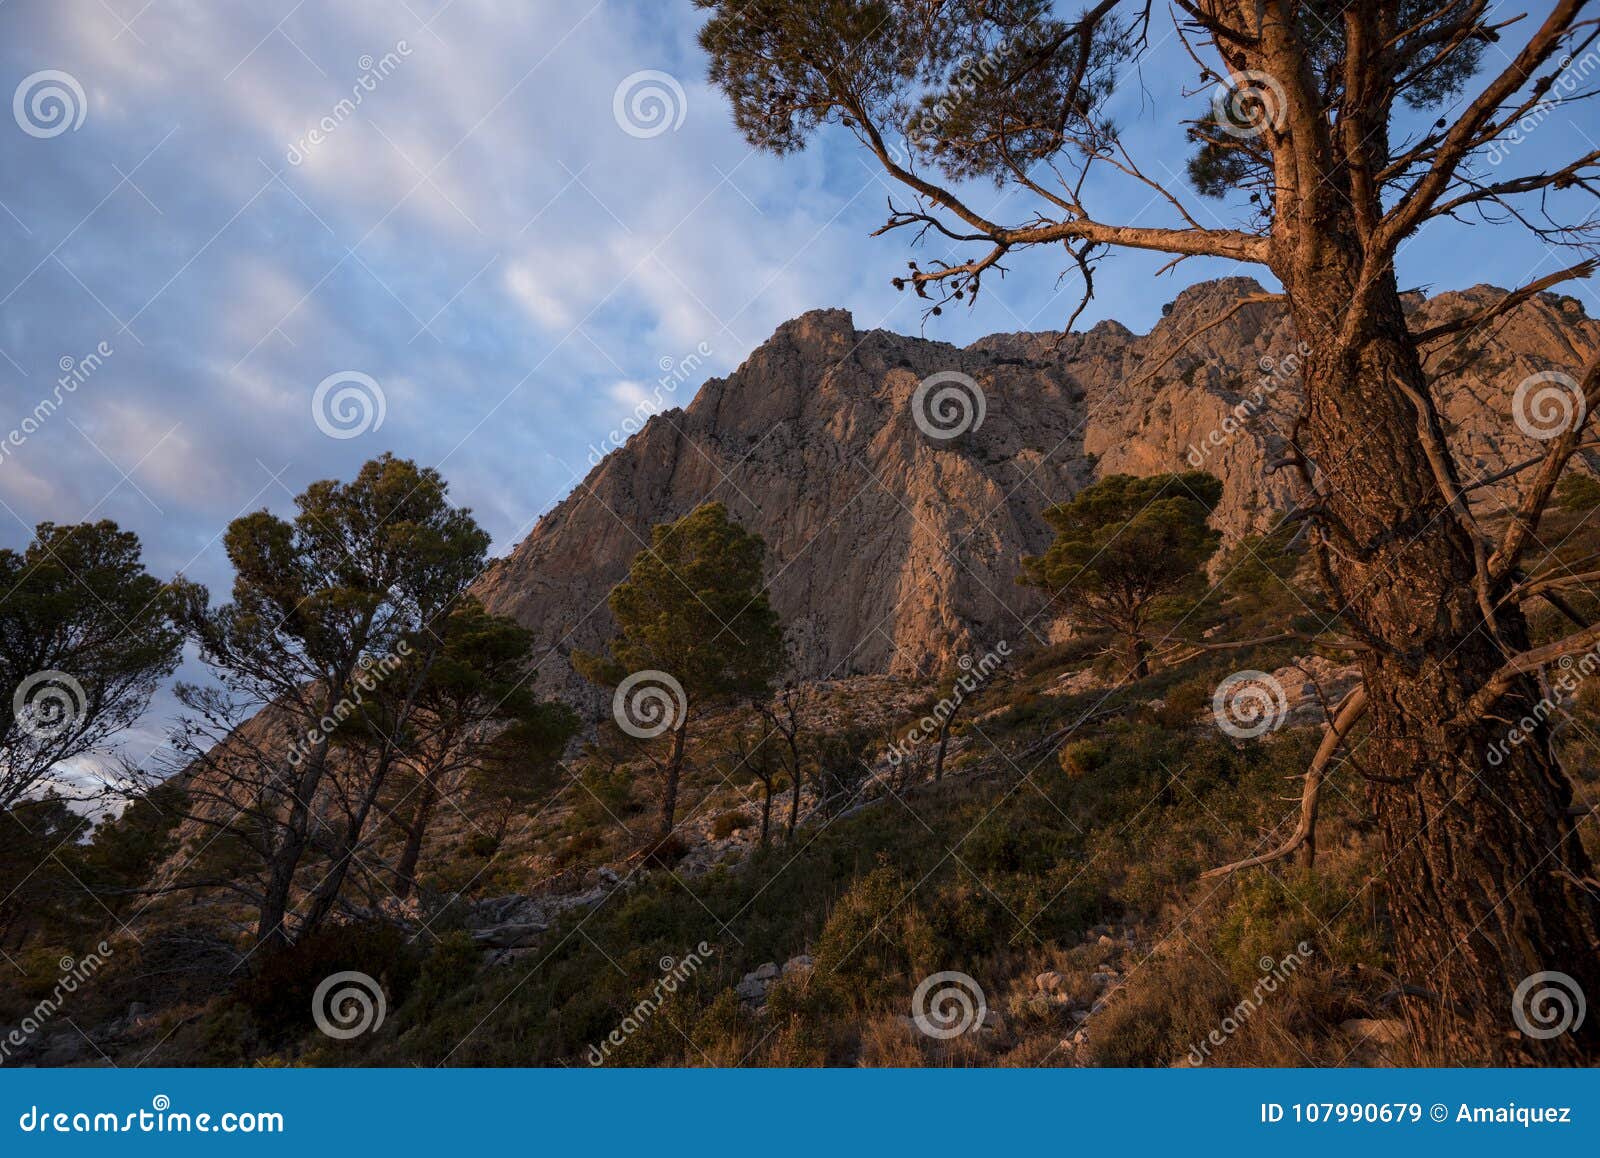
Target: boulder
1048, 982
1074, 683
1378, 1030
511, 935
62, 1049
495, 910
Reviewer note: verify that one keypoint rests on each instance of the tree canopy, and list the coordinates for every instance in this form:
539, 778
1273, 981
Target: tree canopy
694, 626
695, 605
1126, 551
86, 637
335, 623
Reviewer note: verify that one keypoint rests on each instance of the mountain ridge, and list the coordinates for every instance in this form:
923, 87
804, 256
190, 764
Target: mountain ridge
813, 443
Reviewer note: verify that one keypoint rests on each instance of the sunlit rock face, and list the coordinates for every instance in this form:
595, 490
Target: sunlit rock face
893, 543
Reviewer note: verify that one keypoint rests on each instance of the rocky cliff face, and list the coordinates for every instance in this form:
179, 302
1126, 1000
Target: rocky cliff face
893, 547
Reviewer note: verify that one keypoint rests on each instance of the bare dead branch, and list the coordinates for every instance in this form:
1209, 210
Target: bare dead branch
1508, 303
1350, 711
1525, 521
1467, 131
1518, 468
1542, 583
1190, 339
1529, 661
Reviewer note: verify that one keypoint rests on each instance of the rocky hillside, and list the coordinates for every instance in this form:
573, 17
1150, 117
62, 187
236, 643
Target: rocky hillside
893, 547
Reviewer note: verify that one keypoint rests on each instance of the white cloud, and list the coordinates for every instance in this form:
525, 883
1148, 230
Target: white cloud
538, 293
632, 395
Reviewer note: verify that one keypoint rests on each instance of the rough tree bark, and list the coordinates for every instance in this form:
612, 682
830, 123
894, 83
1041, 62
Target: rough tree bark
1138, 656
669, 782
271, 927
405, 870
1487, 860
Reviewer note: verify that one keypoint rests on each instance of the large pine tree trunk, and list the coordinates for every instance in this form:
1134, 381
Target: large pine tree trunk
1138, 657
794, 793
669, 785
1486, 877
405, 872
272, 924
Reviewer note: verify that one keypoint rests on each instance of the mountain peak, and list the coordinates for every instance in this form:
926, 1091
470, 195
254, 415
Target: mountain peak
812, 443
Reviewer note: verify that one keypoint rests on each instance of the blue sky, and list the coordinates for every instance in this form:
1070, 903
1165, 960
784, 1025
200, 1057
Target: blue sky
479, 236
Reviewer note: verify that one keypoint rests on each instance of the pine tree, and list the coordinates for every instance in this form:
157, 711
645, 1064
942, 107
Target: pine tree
694, 628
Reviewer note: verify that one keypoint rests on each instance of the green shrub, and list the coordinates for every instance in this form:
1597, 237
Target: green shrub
608, 795
1270, 915
279, 995
728, 823
664, 852
580, 846
1081, 757
1185, 702
876, 942
1578, 492
451, 966
1172, 1005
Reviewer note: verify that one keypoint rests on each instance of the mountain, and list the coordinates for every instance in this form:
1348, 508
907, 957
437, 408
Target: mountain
893, 548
